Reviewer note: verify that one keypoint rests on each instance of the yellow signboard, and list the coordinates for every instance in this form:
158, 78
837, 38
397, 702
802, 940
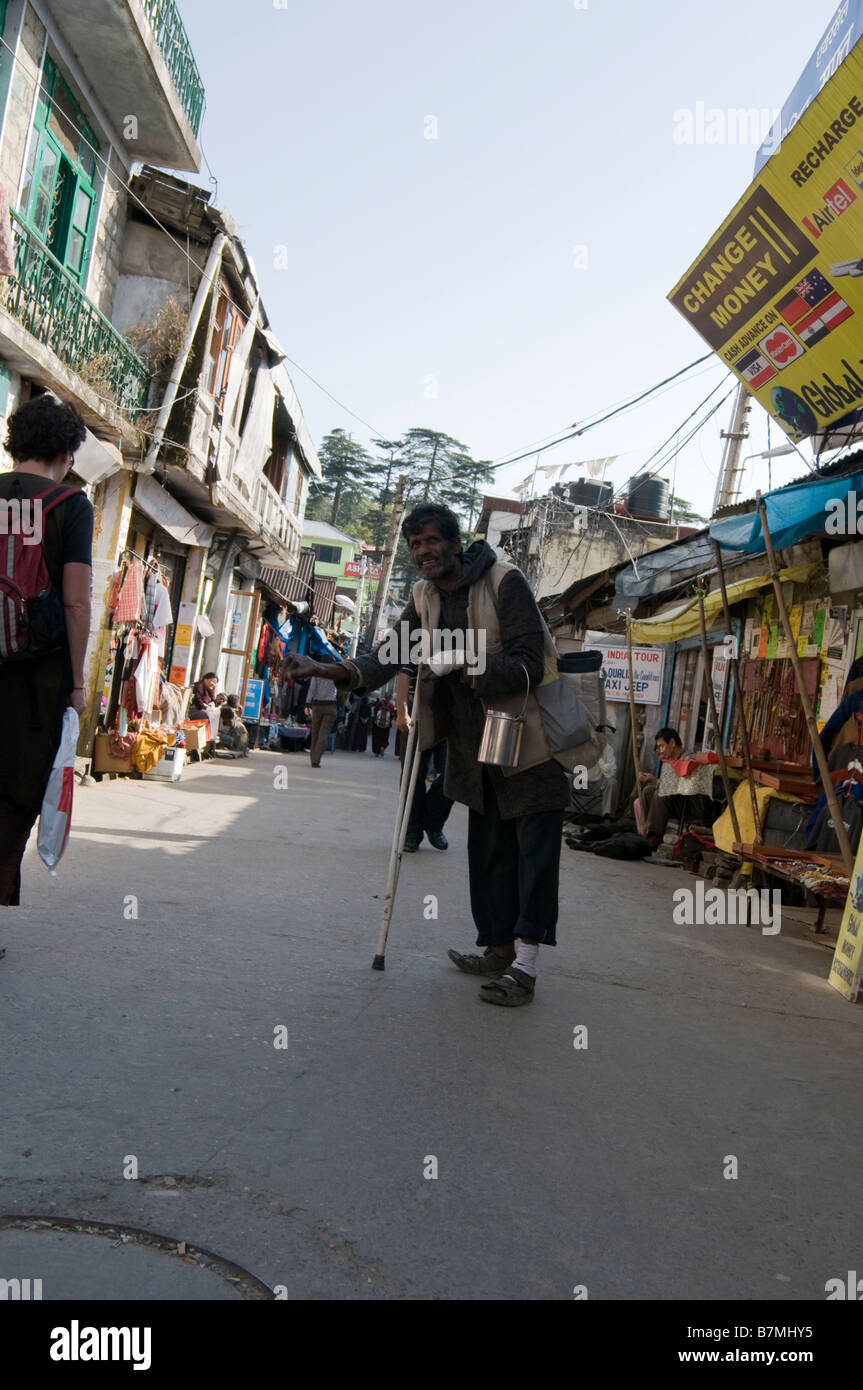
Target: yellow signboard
848, 956
778, 293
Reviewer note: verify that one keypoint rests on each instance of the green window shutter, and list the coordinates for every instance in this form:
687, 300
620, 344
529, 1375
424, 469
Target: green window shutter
59, 198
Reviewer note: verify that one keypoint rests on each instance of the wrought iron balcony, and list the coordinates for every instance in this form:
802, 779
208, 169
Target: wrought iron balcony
172, 39
50, 304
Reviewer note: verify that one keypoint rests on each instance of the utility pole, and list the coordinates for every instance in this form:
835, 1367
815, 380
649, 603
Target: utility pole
729, 473
389, 554
358, 611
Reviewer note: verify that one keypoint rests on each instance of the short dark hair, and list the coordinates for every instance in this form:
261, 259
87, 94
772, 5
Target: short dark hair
233, 702
209, 676
427, 512
668, 736
43, 429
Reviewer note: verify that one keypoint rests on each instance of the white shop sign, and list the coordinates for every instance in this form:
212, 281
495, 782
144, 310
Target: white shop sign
648, 665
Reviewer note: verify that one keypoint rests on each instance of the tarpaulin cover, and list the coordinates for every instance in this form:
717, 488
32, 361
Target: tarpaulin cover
794, 514
662, 569
683, 620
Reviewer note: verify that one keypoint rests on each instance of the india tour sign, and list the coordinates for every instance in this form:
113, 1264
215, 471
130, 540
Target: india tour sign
778, 293
648, 664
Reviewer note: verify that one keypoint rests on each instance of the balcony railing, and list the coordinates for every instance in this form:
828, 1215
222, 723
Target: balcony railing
276, 516
172, 39
50, 304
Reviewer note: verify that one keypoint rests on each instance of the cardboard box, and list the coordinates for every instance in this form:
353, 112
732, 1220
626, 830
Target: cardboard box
196, 736
104, 760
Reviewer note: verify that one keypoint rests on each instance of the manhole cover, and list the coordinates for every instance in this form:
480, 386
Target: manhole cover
89, 1260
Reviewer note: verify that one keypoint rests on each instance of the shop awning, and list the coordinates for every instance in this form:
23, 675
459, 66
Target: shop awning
682, 619
665, 568
158, 504
794, 514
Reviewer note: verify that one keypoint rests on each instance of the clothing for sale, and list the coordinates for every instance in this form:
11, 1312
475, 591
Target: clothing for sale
34, 692
150, 745
130, 602
146, 672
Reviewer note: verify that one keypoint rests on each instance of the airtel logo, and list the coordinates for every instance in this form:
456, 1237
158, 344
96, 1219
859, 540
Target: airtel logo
782, 347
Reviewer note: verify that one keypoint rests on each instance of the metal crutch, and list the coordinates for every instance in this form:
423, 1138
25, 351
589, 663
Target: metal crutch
406, 797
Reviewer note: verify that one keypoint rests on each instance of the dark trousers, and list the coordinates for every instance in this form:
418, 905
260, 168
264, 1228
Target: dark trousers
429, 808
514, 868
16, 822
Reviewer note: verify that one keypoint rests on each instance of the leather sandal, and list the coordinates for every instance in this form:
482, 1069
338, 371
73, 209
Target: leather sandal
512, 989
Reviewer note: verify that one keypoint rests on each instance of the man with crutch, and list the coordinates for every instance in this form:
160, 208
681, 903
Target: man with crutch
516, 815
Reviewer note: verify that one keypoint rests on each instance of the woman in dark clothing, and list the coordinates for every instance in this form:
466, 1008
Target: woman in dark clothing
383, 718
35, 690
361, 730
203, 706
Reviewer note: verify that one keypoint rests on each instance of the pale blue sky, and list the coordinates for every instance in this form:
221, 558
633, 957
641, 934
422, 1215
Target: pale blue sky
411, 258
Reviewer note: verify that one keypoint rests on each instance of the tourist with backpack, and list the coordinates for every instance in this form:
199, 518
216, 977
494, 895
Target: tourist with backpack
46, 541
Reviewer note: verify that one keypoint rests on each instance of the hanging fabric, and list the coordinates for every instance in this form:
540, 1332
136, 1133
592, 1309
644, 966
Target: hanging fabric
131, 598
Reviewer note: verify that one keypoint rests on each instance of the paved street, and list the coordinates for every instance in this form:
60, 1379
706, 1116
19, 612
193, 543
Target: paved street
152, 1037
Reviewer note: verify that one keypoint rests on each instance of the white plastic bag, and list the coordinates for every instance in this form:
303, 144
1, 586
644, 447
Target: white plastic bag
55, 818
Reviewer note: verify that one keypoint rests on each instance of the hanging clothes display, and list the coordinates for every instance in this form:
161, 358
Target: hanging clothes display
130, 600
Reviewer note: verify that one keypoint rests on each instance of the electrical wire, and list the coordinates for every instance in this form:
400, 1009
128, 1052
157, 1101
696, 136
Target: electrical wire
592, 423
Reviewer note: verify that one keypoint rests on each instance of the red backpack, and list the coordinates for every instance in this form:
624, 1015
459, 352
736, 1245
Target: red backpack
32, 621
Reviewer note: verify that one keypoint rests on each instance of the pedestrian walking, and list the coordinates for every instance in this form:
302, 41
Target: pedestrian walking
322, 701
383, 718
42, 660
362, 726
515, 815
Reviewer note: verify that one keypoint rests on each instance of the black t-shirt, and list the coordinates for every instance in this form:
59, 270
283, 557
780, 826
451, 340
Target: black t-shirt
68, 536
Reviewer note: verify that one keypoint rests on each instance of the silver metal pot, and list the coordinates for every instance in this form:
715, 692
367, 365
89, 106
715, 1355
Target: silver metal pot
501, 737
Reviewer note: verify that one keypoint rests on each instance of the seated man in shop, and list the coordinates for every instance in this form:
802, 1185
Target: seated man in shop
233, 733
662, 797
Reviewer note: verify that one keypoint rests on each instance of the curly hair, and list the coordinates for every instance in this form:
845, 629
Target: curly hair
446, 521
44, 429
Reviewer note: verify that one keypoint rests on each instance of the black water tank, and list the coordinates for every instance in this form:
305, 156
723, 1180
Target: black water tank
590, 492
647, 497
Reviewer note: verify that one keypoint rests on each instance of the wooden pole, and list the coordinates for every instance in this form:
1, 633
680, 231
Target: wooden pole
817, 747
632, 717
738, 696
711, 705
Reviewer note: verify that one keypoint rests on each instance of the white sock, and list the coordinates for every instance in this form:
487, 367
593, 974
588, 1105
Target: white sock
525, 959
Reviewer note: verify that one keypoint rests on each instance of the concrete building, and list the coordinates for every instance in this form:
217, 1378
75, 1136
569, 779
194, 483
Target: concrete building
229, 443
338, 574
86, 92
556, 544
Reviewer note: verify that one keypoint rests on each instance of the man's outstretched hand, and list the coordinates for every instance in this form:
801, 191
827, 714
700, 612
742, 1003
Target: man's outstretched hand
302, 668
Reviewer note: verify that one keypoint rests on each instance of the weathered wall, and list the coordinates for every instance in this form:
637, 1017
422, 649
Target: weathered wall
22, 90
